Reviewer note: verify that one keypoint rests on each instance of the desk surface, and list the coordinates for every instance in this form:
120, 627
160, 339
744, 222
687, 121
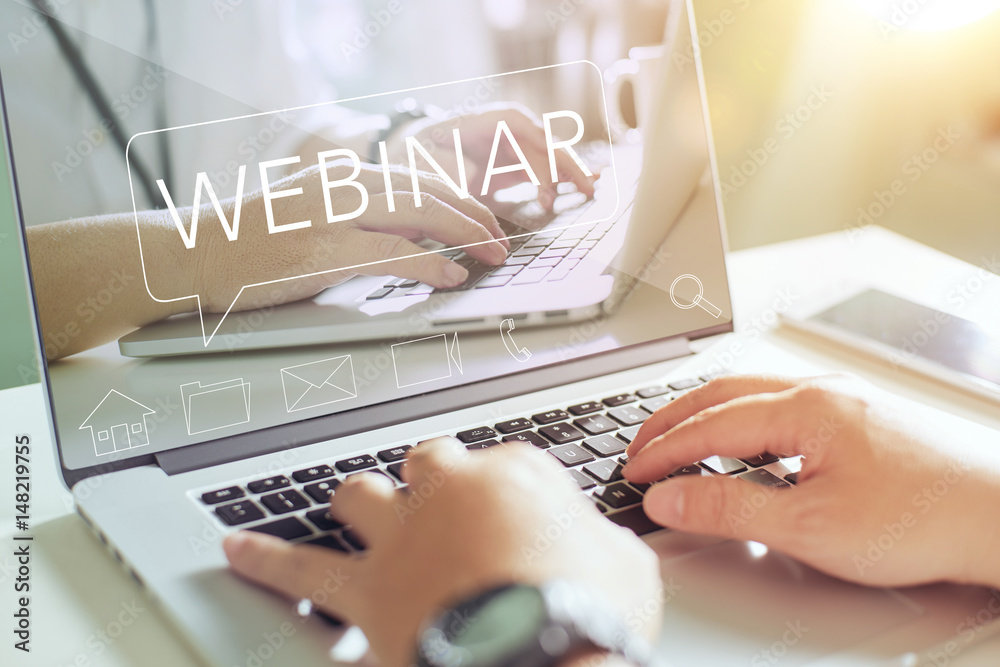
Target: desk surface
87, 612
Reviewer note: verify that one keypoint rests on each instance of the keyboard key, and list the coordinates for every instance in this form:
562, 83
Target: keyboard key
331, 542
627, 435
571, 455
543, 263
529, 437
321, 491
650, 392
601, 507
605, 445
283, 502
618, 495
581, 479
550, 417
760, 460
357, 463
518, 261
792, 478
696, 470
485, 444
604, 471
681, 385
269, 484
380, 293
371, 472
477, 434
239, 513
635, 519
620, 399
397, 470
514, 425
506, 270
394, 454
724, 465
630, 415
531, 275
493, 281
289, 528
560, 434
322, 519
596, 424
354, 540
586, 408
765, 478
222, 495
654, 404
312, 474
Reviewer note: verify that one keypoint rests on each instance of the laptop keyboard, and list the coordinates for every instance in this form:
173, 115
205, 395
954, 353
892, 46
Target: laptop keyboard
588, 438
543, 257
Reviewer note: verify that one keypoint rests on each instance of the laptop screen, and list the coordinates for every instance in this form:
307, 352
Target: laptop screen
235, 223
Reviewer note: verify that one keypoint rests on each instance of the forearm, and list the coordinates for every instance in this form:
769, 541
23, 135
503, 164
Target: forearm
89, 279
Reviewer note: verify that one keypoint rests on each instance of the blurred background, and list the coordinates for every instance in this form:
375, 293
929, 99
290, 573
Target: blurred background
867, 111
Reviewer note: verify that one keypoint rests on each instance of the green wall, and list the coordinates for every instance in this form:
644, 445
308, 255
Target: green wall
18, 361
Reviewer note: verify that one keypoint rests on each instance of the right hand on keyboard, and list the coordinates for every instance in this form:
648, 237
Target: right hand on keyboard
881, 499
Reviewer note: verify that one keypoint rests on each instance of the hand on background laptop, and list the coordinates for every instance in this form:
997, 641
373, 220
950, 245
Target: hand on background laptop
470, 521
478, 130
882, 498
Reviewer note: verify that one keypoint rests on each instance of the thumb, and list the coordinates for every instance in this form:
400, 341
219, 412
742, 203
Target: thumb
726, 507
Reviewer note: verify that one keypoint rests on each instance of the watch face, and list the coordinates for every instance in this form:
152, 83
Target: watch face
503, 625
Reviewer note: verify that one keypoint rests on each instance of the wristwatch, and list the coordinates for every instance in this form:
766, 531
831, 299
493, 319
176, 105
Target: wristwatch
527, 626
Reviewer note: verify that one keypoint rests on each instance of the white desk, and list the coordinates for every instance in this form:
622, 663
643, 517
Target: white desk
79, 591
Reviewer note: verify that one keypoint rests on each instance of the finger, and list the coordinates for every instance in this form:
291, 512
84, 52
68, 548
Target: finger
570, 171
376, 254
298, 571
436, 186
721, 506
713, 393
434, 455
365, 502
437, 220
747, 426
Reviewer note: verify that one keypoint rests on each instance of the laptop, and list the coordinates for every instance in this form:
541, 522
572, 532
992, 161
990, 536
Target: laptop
166, 456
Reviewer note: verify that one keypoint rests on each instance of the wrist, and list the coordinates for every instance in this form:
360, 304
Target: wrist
982, 564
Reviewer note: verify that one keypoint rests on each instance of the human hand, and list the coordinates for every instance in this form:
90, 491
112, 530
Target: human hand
478, 130
468, 523
880, 498
378, 242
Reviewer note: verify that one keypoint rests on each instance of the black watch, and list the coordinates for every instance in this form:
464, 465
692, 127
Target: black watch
527, 626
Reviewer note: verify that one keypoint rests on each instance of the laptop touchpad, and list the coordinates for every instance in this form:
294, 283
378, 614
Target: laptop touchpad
736, 603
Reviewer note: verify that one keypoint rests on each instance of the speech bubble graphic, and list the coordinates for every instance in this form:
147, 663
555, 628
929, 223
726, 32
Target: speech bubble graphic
257, 210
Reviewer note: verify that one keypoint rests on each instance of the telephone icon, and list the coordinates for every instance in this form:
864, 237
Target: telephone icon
519, 353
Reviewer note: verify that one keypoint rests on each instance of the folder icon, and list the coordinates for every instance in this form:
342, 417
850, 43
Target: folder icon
426, 359
318, 383
213, 406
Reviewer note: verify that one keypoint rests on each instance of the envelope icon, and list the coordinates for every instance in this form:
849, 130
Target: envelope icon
318, 383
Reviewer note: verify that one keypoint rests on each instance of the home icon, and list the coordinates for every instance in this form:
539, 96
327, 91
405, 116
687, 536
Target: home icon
117, 423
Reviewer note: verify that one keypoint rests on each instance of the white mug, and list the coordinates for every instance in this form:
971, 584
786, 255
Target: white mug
640, 70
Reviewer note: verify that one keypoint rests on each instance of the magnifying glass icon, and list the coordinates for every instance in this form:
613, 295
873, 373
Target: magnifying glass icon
699, 299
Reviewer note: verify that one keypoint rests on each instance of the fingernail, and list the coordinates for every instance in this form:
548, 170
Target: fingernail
455, 274
499, 252
666, 503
